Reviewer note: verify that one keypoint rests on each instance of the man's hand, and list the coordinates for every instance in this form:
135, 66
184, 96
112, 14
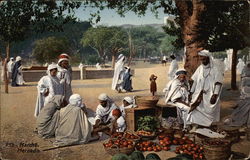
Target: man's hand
46, 93
192, 107
97, 123
213, 99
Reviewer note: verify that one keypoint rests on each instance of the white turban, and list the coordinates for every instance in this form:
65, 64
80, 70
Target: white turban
75, 100
103, 97
204, 53
18, 58
180, 71
120, 56
50, 67
62, 59
11, 58
129, 100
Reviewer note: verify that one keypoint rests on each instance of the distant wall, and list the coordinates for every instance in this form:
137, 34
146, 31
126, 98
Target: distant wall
35, 75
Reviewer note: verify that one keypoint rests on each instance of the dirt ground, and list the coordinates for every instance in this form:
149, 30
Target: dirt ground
18, 122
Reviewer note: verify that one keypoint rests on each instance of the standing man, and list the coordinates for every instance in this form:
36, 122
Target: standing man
65, 74
17, 75
172, 68
205, 91
48, 86
10, 66
117, 82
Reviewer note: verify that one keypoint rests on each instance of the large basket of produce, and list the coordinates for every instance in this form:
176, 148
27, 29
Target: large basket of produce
217, 149
146, 101
147, 126
113, 147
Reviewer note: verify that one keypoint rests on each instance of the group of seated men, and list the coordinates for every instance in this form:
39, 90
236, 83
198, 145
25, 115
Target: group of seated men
76, 124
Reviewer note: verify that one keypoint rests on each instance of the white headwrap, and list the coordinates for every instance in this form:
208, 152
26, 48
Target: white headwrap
129, 100
204, 53
18, 58
50, 67
62, 59
76, 100
11, 58
103, 97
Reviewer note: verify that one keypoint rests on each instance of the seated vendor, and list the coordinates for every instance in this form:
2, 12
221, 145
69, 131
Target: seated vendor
104, 114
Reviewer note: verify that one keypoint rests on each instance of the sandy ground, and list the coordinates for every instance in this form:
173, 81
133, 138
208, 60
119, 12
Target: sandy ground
18, 122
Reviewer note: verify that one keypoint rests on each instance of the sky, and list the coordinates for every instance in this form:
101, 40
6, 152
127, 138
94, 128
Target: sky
111, 18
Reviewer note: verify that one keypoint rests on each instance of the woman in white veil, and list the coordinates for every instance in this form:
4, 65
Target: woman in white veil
118, 73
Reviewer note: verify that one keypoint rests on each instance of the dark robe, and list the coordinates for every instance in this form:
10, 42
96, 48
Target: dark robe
14, 73
127, 82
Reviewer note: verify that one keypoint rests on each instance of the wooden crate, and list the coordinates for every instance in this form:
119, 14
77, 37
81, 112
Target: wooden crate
133, 114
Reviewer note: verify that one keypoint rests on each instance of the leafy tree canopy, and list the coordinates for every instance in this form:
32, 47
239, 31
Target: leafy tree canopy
48, 49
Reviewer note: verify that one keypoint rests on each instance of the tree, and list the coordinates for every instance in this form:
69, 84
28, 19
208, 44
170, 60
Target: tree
105, 39
18, 16
97, 38
167, 44
190, 15
230, 29
48, 49
147, 39
117, 43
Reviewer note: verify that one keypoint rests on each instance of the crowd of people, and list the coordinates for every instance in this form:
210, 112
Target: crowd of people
14, 72
61, 114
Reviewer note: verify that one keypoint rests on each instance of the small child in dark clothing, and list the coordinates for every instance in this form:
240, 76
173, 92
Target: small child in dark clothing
153, 86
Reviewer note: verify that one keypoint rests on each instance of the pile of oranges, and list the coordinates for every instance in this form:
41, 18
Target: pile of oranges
149, 146
193, 150
120, 143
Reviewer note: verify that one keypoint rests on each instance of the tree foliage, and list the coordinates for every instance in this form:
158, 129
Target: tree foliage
104, 39
147, 40
48, 49
17, 17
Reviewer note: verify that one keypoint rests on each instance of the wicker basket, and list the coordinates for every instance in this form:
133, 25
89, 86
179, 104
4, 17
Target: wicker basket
217, 152
146, 101
115, 150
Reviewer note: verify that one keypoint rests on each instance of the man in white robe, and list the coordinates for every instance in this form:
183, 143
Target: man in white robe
10, 66
104, 113
205, 91
177, 93
98, 66
172, 68
48, 119
74, 127
240, 66
241, 113
48, 86
117, 81
65, 73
